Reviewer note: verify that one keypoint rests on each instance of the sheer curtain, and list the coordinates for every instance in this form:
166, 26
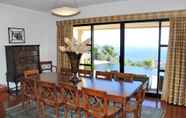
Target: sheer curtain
174, 87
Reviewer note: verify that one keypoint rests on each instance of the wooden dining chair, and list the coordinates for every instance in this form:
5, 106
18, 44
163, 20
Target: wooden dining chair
47, 66
29, 85
104, 75
96, 104
49, 95
30, 74
85, 73
133, 105
136, 105
115, 102
70, 98
124, 76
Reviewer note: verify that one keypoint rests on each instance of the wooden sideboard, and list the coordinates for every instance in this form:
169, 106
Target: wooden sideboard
20, 58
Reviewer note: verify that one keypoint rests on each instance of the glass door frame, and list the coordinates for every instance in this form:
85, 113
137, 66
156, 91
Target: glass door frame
122, 45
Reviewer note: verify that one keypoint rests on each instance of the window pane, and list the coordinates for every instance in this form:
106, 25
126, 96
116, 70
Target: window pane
163, 57
83, 33
86, 67
141, 50
165, 33
161, 78
107, 47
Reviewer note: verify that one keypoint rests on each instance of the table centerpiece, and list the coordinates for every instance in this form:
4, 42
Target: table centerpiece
74, 49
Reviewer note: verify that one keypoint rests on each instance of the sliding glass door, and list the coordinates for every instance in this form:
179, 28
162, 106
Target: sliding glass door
141, 50
163, 48
106, 47
138, 47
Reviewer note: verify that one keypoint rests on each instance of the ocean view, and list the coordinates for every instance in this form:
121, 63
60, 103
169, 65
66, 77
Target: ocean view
137, 55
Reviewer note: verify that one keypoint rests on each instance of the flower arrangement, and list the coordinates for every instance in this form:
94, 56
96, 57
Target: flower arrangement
74, 45
74, 49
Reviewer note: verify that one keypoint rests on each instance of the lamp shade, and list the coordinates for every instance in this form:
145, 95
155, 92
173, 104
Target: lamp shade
65, 11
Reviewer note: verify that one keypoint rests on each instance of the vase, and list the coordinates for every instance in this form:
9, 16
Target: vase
74, 59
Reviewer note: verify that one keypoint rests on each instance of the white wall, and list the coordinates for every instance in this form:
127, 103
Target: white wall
40, 28
129, 7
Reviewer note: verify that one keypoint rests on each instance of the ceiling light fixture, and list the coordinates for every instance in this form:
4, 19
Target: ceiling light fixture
66, 10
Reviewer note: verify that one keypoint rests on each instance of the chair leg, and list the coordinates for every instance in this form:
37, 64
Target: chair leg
78, 113
38, 109
136, 114
23, 102
87, 115
65, 112
43, 110
57, 112
139, 111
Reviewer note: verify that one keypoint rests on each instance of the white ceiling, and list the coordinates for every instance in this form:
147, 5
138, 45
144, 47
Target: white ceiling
47, 5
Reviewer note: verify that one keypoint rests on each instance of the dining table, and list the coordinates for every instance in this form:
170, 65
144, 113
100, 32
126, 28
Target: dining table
125, 89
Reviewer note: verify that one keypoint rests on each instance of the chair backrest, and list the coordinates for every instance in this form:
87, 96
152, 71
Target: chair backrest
48, 92
104, 75
28, 87
46, 66
140, 96
69, 94
85, 73
96, 102
29, 83
29, 74
124, 76
115, 101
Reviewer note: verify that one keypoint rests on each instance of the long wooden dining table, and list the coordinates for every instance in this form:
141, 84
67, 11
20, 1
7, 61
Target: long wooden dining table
125, 89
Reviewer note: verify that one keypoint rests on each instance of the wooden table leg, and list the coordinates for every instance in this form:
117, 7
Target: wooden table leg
2, 111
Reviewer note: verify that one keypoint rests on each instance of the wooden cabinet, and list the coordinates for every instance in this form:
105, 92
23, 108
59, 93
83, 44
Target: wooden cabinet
20, 58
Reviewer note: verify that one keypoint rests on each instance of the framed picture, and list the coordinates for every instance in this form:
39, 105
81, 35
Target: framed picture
16, 35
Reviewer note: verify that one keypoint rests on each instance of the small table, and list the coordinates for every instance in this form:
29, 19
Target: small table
112, 87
